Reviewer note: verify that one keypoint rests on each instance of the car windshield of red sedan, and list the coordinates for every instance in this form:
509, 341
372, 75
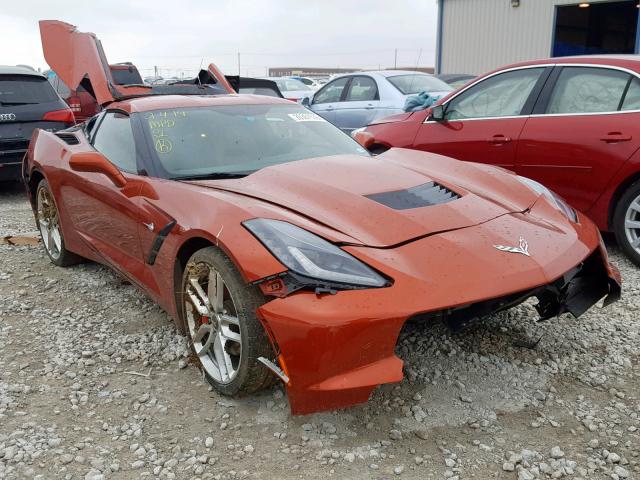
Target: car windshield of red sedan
237, 140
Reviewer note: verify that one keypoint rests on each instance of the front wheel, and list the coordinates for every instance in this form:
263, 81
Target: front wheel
224, 333
626, 223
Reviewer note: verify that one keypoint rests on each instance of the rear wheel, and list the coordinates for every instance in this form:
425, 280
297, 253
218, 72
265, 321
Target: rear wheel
626, 223
48, 222
225, 335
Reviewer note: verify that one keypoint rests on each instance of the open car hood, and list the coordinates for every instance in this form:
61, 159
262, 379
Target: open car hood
386, 200
78, 58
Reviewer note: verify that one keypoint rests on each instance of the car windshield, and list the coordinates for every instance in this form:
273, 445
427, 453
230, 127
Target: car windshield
126, 76
25, 89
290, 84
412, 84
239, 139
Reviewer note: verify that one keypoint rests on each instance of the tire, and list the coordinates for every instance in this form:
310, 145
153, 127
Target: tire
48, 223
240, 302
625, 217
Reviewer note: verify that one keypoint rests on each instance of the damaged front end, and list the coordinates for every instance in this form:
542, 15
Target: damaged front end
575, 292
332, 351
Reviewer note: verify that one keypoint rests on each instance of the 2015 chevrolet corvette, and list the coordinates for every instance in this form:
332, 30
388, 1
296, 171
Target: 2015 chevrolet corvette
282, 248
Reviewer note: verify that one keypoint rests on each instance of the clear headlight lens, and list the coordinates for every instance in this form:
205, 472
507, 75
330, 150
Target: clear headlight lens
307, 254
555, 199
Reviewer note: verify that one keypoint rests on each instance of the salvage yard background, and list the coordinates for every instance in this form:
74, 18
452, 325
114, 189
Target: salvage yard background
94, 384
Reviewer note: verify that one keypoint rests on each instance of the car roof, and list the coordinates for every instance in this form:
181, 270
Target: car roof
625, 61
18, 70
159, 102
389, 73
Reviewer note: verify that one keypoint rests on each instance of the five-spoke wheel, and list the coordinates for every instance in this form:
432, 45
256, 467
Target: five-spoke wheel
48, 221
213, 323
219, 312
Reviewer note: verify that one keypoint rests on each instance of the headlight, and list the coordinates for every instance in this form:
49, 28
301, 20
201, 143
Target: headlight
311, 256
555, 199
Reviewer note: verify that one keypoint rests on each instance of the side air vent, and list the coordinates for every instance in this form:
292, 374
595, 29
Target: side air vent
68, 138
425, 195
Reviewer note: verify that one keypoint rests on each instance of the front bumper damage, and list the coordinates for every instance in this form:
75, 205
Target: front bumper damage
335, 349
575, 292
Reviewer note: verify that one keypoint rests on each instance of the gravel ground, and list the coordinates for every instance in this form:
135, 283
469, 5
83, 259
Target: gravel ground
73, 343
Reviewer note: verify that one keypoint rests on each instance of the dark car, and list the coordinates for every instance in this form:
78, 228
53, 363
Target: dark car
27, 102
82, 103
125, 73
254, 86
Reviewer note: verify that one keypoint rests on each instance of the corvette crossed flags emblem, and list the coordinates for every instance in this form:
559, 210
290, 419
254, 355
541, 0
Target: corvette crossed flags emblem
522, 248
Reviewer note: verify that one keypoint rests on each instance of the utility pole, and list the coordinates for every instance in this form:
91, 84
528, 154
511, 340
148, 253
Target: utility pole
239, 65
155, 71
395, 59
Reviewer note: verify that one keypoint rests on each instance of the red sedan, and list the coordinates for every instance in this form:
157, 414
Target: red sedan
572, 124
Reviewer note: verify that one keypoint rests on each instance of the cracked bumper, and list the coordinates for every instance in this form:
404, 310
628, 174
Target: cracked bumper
337, 348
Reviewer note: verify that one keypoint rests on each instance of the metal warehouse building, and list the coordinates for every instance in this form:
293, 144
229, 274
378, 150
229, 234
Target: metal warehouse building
475, 36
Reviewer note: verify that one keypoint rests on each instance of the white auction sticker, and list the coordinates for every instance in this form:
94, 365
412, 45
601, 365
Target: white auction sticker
306, 117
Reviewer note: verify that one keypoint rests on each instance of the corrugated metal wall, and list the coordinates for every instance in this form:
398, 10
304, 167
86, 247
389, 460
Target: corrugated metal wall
480, 35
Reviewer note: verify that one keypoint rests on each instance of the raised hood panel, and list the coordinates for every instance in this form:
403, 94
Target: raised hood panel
74, 55
333, 191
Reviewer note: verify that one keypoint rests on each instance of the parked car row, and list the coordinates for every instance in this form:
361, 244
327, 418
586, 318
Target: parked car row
264, 230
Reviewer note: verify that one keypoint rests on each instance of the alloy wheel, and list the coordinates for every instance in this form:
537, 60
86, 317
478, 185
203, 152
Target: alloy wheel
632, 224
49, 223
213, 323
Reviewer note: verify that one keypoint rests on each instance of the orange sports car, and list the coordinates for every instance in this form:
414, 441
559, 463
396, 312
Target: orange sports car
280, 246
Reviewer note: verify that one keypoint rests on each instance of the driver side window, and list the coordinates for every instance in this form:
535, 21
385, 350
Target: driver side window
502, 95
114, 139
331, 92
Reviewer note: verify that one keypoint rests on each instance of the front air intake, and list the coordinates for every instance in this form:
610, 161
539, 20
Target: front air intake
425, 195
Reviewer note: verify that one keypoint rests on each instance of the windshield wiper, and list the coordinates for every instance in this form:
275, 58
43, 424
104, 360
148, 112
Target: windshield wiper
214, 176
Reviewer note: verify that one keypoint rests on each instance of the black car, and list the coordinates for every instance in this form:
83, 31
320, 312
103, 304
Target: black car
27, 101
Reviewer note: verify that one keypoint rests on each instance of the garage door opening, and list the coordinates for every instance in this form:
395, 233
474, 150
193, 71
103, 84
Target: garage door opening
608, 27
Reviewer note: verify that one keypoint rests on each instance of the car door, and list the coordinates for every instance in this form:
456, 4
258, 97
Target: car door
585, 126
327, 99
106, 215
483, 122
360, 104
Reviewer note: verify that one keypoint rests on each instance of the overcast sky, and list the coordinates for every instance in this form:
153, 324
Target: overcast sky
179, 35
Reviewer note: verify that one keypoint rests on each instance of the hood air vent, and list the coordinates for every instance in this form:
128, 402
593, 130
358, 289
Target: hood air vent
425, 195
68, 138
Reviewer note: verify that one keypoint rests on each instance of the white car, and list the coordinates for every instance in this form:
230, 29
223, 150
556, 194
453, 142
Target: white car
292, 89
354, 100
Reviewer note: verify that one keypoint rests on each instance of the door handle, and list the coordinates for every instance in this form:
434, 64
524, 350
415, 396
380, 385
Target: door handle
499, 140
329, 108
615, 137
369, 107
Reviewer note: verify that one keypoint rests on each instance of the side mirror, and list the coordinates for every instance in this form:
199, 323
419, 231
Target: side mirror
97, 163
437, 113
306, 102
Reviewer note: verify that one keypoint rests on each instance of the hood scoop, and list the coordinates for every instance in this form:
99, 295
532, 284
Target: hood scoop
425, 195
